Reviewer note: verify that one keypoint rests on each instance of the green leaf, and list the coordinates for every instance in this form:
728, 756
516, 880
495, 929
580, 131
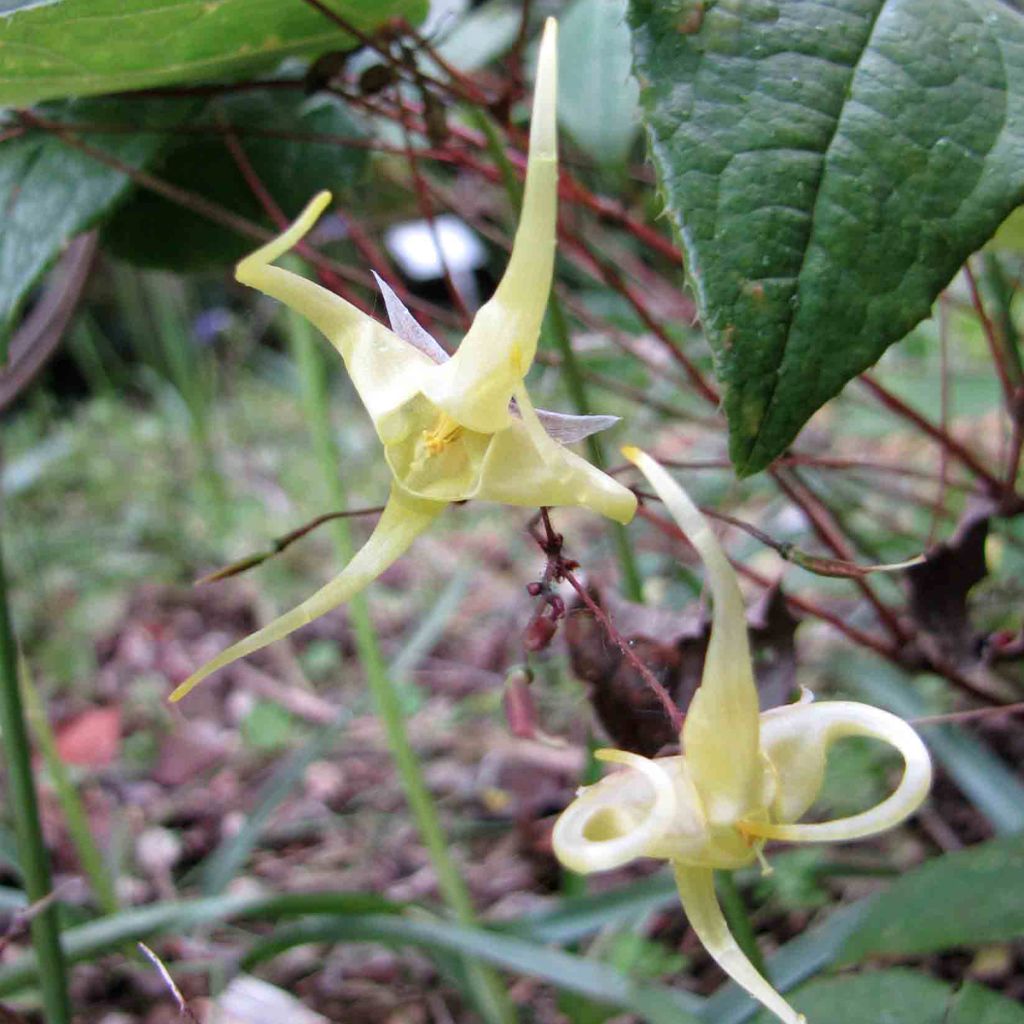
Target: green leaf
50, 192
88, 941
799, 959
965, 898
296, 147
898, 997
598, 98
976, 1004
829, 167
98, 46
363, 917
600, 982
578, 916
482, 35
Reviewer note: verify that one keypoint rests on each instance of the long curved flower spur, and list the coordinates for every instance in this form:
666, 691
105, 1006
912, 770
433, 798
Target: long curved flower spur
743, 777
452, 429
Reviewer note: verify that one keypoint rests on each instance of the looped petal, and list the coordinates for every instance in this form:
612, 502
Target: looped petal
697, 894
617, 819
796, 742
403, 520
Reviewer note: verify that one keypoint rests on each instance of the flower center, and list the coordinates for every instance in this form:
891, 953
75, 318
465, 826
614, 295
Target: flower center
444, 431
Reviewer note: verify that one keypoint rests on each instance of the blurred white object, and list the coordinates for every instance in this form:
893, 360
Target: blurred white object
247, 1000
419, 256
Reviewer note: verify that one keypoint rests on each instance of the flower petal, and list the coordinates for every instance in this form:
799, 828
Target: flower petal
697, 893
563, 427
406, 326
796, 742
403, 519
516, 472
475, 386
385, 370
617, 819
720, 735
569, 429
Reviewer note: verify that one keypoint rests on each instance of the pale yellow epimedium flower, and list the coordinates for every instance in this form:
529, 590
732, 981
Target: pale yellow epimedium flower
742, 777
452, 429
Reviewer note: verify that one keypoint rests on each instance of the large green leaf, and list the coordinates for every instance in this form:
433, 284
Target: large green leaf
975, 1004
49, 192
829, 164
966, 898
598, 99
899, 997
97, 46
295, 145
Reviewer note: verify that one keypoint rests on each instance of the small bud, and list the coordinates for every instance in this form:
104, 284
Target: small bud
520, 710
539, 633
375, 79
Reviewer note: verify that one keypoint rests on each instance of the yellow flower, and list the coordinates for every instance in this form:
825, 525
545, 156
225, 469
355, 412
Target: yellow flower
743, 777
452, 429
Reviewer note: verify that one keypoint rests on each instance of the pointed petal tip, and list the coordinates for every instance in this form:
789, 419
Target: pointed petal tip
543, 136
278, 246
183, 689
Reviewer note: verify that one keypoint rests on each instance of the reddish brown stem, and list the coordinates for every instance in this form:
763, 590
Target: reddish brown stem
473, 95
427, 212
673, 712
951, 444
277, 215
943, 418
996, 344
825, 526
560, 568
610, 276
891, 652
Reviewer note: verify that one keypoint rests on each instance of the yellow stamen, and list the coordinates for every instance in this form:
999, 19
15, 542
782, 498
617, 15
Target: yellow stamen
442, 434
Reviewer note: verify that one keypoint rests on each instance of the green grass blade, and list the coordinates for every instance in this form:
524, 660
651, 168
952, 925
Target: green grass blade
32, 853
798, 960
579, 916
598, 981
89, 855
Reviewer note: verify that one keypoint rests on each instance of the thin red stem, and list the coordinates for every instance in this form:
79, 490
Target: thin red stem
944, 438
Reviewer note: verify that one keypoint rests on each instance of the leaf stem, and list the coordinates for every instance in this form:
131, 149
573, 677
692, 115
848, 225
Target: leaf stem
32, 855
487, 987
